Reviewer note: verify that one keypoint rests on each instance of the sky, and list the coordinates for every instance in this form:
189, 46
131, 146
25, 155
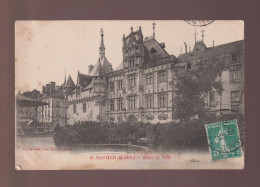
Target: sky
46, 50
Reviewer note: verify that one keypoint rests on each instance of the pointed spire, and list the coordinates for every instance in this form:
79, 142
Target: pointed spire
102, 46
70, 83
153, 29
195, 35
202, 35
78, 78
64, 80
131, 29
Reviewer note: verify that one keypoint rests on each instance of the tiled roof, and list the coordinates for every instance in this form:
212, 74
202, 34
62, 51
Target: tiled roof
213, 51
84, 80
97, 71
115, 73
119, 67
106, 65
153, 50
70, 83
59, 93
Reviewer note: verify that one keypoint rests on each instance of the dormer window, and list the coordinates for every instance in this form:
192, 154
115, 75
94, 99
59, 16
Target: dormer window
152, 51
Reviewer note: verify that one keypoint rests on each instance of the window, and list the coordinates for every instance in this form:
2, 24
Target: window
212, 99
84, 108
49, 114
152, 51
149, 101
119, 119
45, 113
149, 79
234, 57
234, 97
120, 85
57, 103
234, 77
132, 52
112, 104
120, 104
188, 65
131, 62
111, 86
162, 76
58, 113
162, 100
234, 108
132, 79
132, 100
74, 109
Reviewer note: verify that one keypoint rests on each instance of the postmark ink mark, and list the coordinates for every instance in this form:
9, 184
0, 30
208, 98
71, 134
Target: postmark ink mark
199, 23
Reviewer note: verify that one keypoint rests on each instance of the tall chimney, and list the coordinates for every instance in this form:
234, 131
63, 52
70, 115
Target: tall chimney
185, 47
53, 85
48, 89
44, 89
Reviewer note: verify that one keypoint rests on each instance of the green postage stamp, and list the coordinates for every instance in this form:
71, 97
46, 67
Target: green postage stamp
223, 139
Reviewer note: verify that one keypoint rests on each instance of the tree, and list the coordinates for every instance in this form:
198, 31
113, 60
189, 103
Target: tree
192, 87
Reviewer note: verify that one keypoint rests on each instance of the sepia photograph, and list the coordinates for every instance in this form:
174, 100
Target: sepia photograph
129, 94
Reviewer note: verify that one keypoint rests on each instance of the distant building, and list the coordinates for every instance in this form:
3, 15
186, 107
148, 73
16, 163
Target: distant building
55, 112
32, 94
232, 78
140, 89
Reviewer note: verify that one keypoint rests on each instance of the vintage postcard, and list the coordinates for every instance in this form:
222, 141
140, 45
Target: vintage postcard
148, 94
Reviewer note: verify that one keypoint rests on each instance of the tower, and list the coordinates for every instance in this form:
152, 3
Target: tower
133, 49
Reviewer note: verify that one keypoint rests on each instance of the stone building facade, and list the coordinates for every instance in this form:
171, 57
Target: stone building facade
140, 88
55, 112
232, 78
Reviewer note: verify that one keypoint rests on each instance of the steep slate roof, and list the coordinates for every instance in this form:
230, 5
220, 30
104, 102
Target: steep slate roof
119, 67
106, 65
70, 83
83, 80
213, 51
199, 46
97, 71
58, 93
152, 45
115, 73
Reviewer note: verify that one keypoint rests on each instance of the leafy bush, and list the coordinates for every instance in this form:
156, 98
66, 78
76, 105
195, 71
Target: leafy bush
166, 136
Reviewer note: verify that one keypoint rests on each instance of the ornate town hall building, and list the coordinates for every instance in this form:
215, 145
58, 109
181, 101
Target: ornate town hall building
140, 88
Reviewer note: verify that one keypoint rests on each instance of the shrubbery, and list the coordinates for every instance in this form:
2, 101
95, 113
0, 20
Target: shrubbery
161, 136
